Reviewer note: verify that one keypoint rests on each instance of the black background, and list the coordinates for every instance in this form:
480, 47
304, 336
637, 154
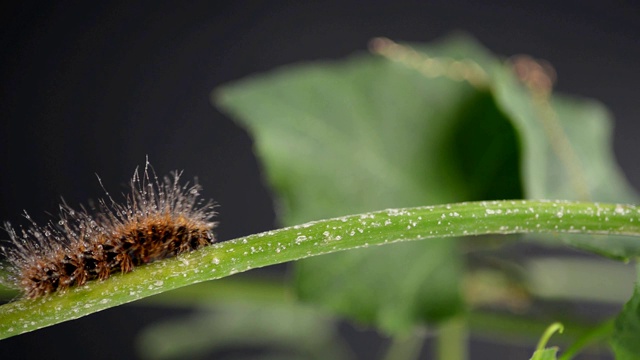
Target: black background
93, 87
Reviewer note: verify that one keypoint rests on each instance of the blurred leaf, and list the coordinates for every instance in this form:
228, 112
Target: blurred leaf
392, 296
344, 138
367, 133
583, 126
564, 278
567, 154
284, 329
626, 335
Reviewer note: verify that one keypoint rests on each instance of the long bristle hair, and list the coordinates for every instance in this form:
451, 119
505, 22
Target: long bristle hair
160, 218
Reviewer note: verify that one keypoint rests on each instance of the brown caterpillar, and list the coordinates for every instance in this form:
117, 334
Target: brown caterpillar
159, 219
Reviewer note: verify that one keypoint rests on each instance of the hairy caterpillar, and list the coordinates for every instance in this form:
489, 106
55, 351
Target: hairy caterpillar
160, 218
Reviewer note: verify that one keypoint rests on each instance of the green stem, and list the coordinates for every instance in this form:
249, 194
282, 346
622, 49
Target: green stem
542, 344
598, 334
405, 347
317, 238
452, 340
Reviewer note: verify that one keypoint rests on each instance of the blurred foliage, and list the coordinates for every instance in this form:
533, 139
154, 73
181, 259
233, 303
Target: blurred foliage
626, 337
403, 126
418, 125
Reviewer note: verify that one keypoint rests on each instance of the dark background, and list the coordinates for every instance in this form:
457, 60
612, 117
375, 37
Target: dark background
93, 87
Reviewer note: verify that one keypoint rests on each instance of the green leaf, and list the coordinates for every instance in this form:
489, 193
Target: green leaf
367, 133
567, 154
391, 301
564, 144
626, 335
545, 354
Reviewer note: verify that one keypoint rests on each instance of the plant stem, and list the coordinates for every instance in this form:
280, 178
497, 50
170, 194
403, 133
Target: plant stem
452, 340
552, 329
598, 334
317, 238
405, 347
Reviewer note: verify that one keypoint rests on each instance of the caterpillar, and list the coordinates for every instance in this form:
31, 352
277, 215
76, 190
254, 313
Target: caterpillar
159, 218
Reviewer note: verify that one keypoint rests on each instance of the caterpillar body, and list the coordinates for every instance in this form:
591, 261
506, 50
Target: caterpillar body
159, 218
